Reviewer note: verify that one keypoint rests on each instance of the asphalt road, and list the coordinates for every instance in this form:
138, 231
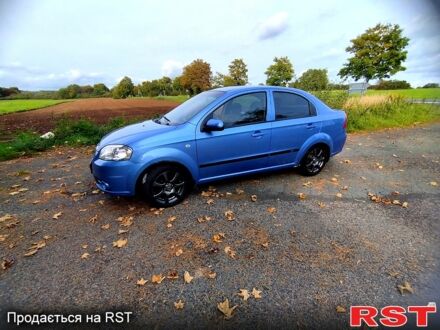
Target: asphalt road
306, 256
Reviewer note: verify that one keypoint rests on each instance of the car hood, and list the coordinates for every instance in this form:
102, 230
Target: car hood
130, 134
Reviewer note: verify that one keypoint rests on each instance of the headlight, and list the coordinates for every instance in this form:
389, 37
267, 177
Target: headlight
115, 152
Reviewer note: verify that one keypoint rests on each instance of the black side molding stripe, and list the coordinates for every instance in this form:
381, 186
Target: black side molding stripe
249, 158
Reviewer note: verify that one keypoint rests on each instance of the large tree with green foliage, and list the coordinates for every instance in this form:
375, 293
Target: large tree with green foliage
237, 73
280, 73
196, 76
313, 80
124, 89
100, 89
377, 53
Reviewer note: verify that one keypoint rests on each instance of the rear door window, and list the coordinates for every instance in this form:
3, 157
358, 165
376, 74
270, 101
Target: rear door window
291, 106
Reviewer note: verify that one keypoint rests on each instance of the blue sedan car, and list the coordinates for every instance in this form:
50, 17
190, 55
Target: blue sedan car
218, 134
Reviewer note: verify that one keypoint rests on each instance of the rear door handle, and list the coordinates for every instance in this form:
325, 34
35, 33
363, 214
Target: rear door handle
257, 134
310, 126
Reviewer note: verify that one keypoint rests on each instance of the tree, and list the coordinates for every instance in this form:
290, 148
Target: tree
391, 84
431, 85
377, 53
237, 73
280, 73
100, 89
313, 80
124, 89
196, 76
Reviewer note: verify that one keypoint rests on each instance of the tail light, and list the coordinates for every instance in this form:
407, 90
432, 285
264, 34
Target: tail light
345, 122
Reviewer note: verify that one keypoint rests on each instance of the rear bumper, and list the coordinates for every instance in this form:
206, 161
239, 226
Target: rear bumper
338, 144
115, 178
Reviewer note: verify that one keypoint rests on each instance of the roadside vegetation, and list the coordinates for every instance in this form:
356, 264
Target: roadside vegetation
67, 132
416, 93
10, 106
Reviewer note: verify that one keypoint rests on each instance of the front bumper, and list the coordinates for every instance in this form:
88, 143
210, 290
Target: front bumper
113, 177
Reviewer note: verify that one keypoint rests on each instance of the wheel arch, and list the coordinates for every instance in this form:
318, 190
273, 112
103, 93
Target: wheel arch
317, 139
151, 166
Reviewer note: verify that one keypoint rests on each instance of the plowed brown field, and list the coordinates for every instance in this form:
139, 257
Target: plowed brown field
99, 110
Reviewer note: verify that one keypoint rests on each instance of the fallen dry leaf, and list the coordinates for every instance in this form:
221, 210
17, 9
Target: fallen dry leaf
3, 237
85, 255
157, 278
122, 231
141, 282
30, 252
218, 238
210, 201
433, 183
187, 277
179, 252
244, 294
125, 221
321, 204
339, 195
254, 198
7, 262
271, 210
6, 217
226, 309
120, 243
405, 204
406, 286
340, 309
334, 180
301, 196
93, 219
172, 218
173, 275
204, 218
230, 252
347, 161
106, 226
256, 293
179, 304
212, 275
266, 244
229, 214
307, 184
57, 215
14, 193
239, 191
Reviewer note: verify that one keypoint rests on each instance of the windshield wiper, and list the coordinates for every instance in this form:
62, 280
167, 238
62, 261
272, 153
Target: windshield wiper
168, 121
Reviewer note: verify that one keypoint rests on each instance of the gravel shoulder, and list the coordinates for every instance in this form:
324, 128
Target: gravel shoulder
336, 247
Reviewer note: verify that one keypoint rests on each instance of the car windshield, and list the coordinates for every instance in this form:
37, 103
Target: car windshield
189, 109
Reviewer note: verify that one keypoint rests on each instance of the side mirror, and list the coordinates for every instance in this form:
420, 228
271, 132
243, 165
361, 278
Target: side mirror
214, 125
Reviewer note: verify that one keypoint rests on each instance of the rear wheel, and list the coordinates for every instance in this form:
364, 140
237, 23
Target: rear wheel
314, 160
165, 186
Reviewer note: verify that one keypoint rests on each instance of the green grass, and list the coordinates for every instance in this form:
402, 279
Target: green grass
394, 112
418, 93
174, 98
67, 132
11, 106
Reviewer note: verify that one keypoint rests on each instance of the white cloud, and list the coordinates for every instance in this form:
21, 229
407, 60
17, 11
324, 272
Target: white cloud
273, 26
172, 68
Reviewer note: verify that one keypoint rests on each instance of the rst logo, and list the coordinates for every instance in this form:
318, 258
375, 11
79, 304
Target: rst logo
390, 316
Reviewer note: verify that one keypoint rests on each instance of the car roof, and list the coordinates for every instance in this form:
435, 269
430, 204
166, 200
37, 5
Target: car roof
237, 89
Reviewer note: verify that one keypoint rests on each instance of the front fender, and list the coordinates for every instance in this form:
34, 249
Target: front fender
168, 154
311, 141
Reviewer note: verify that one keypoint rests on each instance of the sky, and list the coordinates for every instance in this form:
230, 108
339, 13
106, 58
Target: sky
48, 44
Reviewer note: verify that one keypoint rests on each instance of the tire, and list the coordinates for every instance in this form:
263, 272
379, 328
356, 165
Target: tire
165, 185
314, 160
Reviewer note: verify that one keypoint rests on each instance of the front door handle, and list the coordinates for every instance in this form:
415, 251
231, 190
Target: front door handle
257, 134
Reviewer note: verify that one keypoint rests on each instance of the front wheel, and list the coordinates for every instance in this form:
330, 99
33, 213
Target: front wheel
165, 186
314, 160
